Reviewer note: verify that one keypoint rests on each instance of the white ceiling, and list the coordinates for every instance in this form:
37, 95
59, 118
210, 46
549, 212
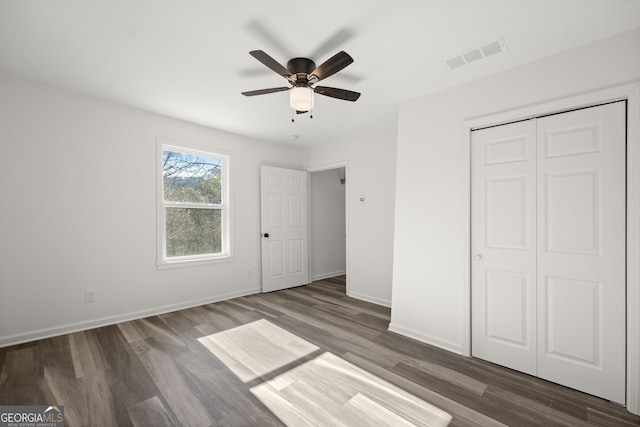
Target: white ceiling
189, 59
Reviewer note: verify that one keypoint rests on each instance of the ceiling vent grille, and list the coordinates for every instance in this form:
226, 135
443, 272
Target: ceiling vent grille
472, 56
477, 54
456, 62
493, 48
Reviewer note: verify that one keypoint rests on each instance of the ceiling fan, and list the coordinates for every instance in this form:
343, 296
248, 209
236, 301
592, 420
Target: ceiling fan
302, 75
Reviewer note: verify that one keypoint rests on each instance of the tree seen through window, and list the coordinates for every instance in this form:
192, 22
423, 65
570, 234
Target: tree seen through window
192, 191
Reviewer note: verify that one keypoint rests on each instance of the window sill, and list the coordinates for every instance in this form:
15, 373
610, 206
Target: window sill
164, 265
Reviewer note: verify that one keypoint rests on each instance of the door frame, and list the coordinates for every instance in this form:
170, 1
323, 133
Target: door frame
630, 93
330, 166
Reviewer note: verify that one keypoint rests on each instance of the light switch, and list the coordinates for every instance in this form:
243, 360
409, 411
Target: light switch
363, 199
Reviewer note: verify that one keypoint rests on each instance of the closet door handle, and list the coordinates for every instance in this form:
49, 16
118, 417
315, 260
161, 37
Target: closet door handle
265, 235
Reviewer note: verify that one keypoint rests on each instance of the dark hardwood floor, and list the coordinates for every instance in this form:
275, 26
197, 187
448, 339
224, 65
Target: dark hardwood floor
280, 358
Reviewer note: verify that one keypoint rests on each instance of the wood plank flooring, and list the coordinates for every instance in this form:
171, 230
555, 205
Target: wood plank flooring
304, 356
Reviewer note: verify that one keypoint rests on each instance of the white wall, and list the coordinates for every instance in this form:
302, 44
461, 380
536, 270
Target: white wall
78, 191
327, 226
370, 171
430, 278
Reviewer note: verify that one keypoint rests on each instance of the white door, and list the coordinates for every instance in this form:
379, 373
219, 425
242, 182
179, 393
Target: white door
284, 228
557, 308
503, 189
581, 250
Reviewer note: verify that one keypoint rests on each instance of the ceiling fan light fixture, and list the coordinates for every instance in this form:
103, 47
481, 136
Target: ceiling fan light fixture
302, 75
301, 98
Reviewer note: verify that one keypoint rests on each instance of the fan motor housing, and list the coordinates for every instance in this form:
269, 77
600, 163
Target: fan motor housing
301, 66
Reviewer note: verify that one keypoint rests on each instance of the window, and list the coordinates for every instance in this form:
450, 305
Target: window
193, 211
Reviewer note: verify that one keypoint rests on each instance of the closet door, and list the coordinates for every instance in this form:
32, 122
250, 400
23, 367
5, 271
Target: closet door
581, 250
503, 269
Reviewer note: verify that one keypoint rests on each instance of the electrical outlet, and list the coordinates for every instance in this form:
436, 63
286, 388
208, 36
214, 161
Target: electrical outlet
89, 295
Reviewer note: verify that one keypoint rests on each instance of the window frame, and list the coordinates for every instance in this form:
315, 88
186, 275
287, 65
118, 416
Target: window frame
162, 260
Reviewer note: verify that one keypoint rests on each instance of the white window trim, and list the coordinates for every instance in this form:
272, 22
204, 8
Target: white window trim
162, 261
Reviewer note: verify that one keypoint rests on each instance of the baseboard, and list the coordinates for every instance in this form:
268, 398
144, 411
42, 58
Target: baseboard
327, 275
427, 339
368, 298
111, 320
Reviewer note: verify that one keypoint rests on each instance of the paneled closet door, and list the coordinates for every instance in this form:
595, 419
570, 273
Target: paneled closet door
503, 189
548, 241
581, 250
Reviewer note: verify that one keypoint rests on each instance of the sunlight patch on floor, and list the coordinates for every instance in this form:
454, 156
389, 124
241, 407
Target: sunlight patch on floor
257, 348
325, 390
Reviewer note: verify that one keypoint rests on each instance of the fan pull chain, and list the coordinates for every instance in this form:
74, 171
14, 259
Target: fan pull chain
311, 113
292, 116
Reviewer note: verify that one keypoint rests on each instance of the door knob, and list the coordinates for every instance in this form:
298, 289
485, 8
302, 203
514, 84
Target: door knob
266, 235
477, 257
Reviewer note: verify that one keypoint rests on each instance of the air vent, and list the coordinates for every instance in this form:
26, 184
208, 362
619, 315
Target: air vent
456, 62
477, 54
472, 56
493, 48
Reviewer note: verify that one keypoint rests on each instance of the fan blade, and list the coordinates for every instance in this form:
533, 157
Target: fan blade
269, 34
332, 43
270, 62
265, 91
333, 92
332, 65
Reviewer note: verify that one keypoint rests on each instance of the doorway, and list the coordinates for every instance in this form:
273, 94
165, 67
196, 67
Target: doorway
327, 223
